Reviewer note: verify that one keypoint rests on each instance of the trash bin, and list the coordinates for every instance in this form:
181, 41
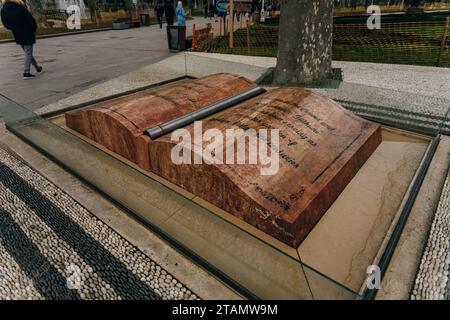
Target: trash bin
176, 37
145, 19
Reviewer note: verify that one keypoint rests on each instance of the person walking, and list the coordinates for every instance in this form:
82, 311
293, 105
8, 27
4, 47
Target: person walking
159, 12
181, 15
169, 12
16, 17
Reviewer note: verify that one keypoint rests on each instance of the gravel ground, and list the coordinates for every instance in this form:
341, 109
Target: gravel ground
412, 96
432, 280
53, 248
428, 81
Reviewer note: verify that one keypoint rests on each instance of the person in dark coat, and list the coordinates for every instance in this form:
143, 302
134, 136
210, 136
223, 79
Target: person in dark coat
169, 11
16, 17
159, 12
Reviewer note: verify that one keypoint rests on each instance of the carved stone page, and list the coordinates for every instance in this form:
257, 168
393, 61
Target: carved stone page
322, 146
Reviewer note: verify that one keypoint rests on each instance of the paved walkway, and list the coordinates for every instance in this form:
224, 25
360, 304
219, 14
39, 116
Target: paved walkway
53, 248
75, 62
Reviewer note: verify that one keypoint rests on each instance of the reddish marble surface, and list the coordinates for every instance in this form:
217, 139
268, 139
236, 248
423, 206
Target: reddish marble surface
120, 124
322, 146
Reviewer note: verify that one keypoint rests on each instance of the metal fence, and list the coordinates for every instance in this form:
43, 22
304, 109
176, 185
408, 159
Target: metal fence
413, 42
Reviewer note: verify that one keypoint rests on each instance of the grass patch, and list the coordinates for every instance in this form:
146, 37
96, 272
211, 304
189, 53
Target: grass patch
414, 45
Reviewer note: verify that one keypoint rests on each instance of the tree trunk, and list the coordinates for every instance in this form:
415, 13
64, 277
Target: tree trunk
305, 42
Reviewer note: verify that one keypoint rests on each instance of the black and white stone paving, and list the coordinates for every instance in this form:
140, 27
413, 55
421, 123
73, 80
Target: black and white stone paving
53, 248
432, 282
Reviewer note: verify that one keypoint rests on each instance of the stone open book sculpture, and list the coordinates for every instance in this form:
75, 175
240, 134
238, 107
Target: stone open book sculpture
321, 147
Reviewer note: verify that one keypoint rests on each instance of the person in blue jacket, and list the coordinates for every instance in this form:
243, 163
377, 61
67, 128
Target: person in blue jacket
16, 17
181, 15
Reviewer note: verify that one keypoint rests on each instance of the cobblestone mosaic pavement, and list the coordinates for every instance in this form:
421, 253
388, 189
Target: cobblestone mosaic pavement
53, 248
432, 280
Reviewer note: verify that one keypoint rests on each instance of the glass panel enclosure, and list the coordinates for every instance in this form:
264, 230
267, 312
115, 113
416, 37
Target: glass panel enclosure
255, 263
265, 271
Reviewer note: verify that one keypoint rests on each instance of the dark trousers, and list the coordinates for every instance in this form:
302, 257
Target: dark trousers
160, 21
29, 58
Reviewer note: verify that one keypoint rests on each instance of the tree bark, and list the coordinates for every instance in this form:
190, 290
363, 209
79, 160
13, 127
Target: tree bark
305, 42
